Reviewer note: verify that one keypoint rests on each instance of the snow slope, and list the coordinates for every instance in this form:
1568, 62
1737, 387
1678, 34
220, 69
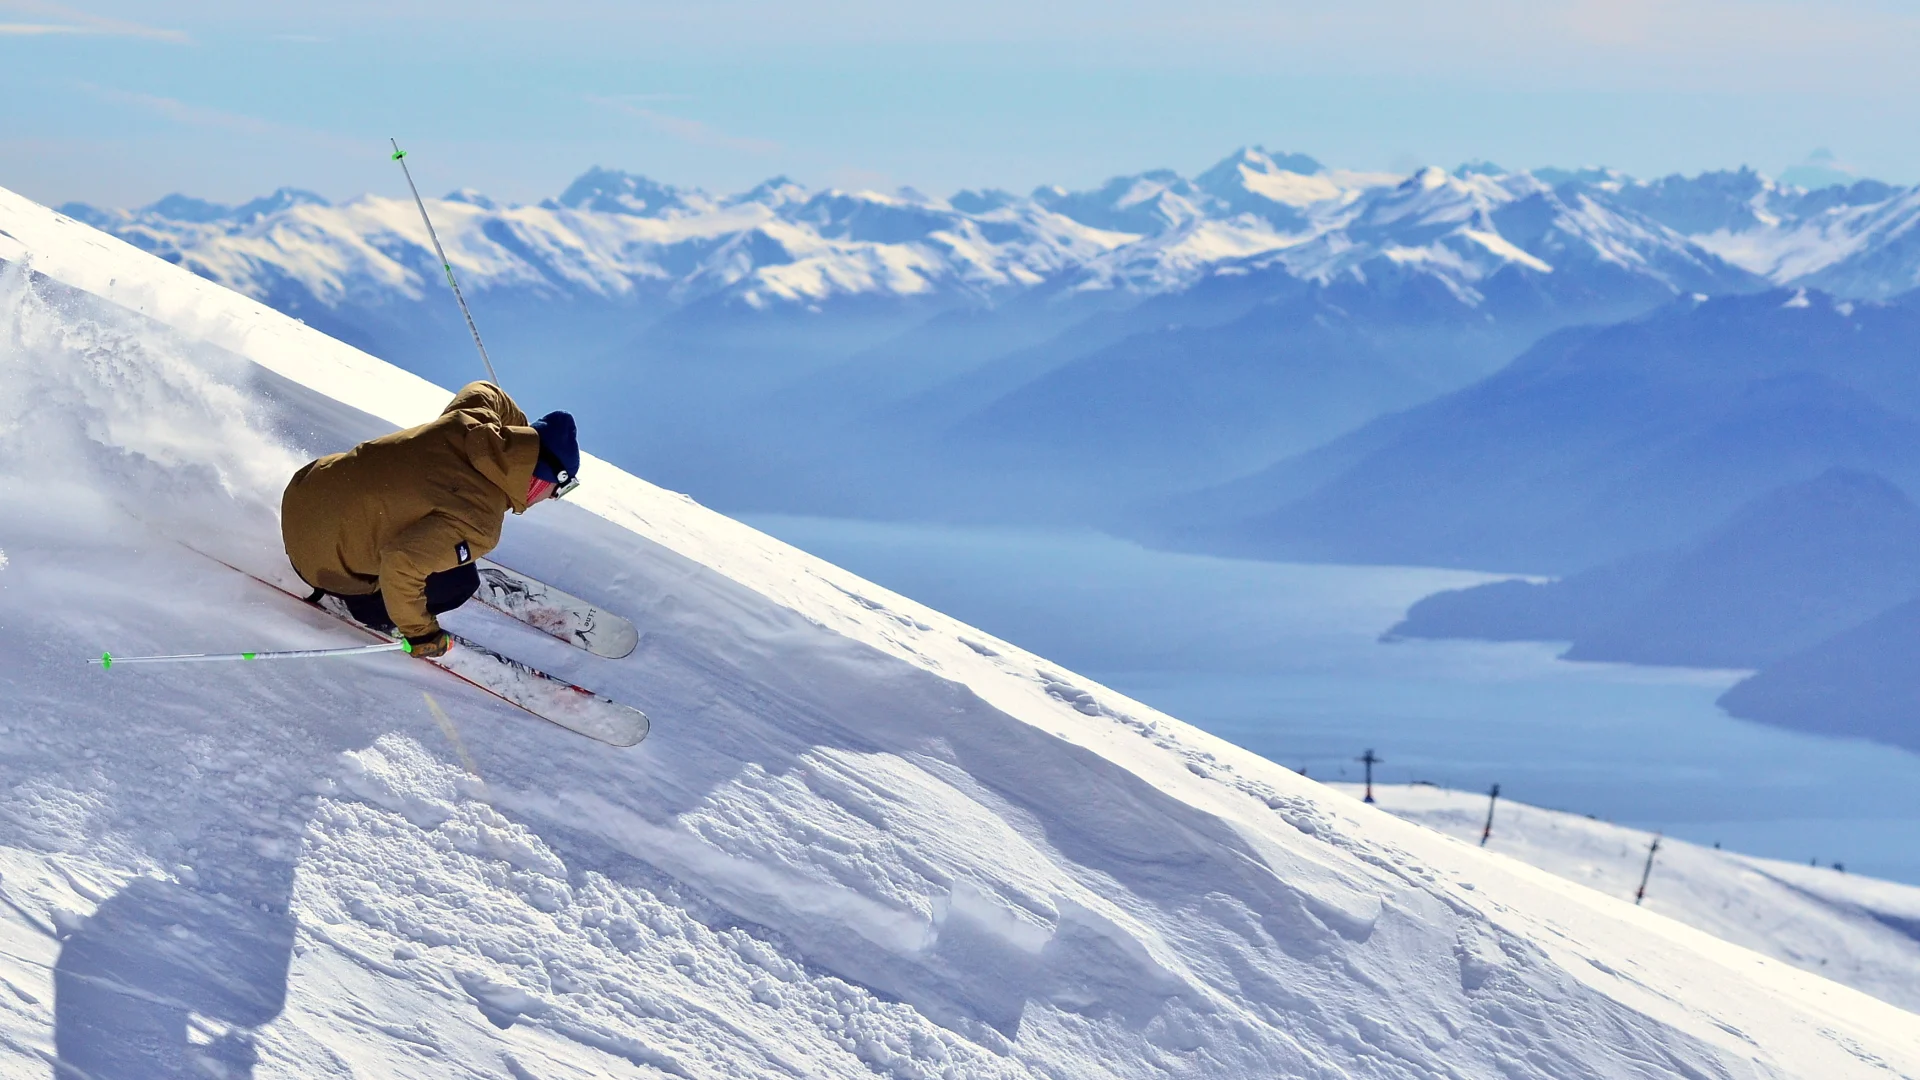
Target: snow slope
864, 839
1855, 930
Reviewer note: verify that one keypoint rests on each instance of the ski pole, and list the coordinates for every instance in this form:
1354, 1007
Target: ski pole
400, 156
108, 660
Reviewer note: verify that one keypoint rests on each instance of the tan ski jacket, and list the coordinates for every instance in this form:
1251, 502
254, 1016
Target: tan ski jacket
385, 514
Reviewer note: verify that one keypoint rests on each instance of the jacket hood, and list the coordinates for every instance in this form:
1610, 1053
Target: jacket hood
499, 443
507, 463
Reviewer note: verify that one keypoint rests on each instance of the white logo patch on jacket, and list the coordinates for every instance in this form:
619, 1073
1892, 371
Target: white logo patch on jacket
463, 552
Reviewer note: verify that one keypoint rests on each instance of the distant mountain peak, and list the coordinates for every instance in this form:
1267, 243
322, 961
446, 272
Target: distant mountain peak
472, 197
93, 215
610, 191
284, 198
776, 192
1586, 176
191, 210
1263, 160
178, 207
982, 202
1821, 169
1275, 187
1149, 203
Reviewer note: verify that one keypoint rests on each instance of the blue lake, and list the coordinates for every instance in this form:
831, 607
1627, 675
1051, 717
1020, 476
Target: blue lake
1286, 660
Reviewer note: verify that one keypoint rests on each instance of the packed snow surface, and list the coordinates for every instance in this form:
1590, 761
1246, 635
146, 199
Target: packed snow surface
862, 840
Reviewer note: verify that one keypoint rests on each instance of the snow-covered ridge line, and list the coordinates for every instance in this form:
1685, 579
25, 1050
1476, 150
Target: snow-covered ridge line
1845, 927
863, 838
620, 238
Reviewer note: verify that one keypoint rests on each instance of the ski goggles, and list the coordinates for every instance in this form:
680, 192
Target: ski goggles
562, 482
539, 490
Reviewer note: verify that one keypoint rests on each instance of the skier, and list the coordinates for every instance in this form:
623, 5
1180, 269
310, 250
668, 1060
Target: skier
393, 526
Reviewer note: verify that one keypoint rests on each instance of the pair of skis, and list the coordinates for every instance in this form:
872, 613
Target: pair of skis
535, 603
557, 614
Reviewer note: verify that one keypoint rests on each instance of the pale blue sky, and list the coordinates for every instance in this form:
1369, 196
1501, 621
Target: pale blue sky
119, 101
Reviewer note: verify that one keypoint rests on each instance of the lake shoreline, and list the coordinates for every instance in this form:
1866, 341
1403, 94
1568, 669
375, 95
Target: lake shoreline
1286, 660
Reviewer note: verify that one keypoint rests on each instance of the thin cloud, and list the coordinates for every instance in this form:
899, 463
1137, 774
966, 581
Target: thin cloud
201, 116
636, 99
1730, 46
184, 112
696, 132
68, 21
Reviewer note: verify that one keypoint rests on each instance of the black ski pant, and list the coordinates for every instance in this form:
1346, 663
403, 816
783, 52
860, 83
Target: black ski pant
446, 590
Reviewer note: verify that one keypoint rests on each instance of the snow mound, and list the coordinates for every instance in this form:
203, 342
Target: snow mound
863, 839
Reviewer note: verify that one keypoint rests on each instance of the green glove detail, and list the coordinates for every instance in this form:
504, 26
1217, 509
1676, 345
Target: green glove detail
429, 646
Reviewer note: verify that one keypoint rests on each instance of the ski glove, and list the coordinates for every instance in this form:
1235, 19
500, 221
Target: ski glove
429, 646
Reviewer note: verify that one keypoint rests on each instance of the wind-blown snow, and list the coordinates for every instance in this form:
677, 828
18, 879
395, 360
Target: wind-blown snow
863, 839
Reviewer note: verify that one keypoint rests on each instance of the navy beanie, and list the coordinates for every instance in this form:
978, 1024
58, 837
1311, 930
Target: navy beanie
559, 448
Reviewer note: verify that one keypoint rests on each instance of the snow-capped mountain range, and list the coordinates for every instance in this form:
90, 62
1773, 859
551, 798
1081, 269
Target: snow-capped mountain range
785, 349
617, 235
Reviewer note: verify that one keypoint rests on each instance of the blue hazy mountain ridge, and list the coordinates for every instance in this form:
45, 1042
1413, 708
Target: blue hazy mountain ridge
1595, 444
185, 208
821, 351
1733, 200
1861, 682
1786, 571
1203, 400
1167, 406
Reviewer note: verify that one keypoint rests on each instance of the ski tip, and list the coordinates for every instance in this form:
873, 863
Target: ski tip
617, 646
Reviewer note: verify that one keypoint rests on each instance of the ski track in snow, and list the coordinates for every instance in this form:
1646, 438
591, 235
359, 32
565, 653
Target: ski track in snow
863, 839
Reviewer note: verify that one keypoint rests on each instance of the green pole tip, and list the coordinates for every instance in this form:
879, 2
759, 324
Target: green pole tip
106, 660
246, 656
398, 154
406, 646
